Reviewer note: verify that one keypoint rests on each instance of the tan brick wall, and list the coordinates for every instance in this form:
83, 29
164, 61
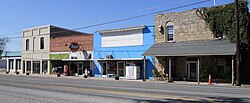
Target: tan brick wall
61, 44
187, 26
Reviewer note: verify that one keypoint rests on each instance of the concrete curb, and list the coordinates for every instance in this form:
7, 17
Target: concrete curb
121, 79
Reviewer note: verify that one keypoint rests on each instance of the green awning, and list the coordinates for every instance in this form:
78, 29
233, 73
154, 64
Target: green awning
58, 56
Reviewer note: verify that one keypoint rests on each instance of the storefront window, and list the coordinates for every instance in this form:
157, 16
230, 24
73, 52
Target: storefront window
112, 67
121, 68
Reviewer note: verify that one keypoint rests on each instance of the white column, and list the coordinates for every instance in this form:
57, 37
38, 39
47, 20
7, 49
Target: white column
7, 68
232, 70
169, 68
25, 66
21, 66
14, 65
198, 71
41, 66
31, 66
48, 67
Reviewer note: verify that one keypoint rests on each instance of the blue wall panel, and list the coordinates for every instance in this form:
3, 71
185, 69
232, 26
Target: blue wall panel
125, 51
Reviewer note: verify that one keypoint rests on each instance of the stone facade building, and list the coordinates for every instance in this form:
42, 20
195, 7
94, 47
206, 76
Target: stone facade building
186, 49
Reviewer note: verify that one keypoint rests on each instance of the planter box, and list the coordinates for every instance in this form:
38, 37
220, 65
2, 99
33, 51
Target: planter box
116, 77
58, 74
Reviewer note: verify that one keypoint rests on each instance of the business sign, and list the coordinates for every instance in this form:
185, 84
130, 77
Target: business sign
74, 46
132, 72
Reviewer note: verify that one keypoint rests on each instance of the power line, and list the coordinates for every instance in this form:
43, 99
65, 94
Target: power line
129, 18
125, 13
137, 16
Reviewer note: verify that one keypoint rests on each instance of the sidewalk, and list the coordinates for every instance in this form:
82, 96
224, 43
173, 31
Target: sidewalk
140, 80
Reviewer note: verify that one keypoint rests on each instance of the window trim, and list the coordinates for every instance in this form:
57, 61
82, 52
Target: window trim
27, 42
168, 33
42, 43
167, 25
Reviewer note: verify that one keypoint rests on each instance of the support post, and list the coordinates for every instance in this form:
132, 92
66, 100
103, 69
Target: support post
238, 83
21, 66
41, 67
198, 71
48, 67
144, 68
8, 66
25, 66
31, 66
169, 69
232, 70
90, 68
14, 64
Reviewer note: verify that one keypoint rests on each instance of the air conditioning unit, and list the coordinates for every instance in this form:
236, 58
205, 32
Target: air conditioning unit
109, 57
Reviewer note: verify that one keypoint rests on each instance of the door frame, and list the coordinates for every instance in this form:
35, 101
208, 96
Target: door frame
124, 67
79, 67
188, 69
106, 68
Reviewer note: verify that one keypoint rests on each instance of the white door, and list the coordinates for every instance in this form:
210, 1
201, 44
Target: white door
192, 69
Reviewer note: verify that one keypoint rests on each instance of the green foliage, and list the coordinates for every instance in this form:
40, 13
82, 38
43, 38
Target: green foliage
155, 73
220, 20
159, 75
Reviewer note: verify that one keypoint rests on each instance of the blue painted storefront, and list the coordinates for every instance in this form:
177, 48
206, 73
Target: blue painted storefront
127, 52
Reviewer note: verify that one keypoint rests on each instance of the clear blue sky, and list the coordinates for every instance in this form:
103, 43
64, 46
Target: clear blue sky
16, 15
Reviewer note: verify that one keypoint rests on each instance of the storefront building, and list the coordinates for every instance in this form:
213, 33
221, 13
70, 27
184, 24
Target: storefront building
13, 61
186, 49
71, 54
119, 52
45, 48
35, 50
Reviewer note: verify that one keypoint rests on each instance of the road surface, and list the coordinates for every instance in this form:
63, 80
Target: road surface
37, 89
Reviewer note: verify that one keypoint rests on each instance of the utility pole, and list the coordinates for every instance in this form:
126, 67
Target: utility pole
237, 43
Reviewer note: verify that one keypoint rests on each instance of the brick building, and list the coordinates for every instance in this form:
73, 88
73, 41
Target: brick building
73, 51
44, 48
186, 49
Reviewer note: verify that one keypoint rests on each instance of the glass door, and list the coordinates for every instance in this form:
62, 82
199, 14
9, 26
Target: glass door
80, 68
104, 69
192, 70
121, 68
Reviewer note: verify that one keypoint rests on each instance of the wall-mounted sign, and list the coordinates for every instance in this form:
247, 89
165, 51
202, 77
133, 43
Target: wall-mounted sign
74, 46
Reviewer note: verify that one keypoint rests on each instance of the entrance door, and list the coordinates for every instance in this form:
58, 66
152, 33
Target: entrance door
121, 68
104, 69
192, 69
80, 68
36, 67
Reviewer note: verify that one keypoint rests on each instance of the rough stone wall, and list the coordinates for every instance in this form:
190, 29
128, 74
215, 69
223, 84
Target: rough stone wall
207, 66
179, 68
162, 64
187, 26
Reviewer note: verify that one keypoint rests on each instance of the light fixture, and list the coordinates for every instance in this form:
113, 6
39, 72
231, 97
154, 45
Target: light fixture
160, 29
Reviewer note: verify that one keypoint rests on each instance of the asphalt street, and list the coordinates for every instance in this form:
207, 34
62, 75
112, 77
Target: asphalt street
37, 89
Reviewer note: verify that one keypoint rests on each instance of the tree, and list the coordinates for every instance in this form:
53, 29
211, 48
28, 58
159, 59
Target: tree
3, 42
